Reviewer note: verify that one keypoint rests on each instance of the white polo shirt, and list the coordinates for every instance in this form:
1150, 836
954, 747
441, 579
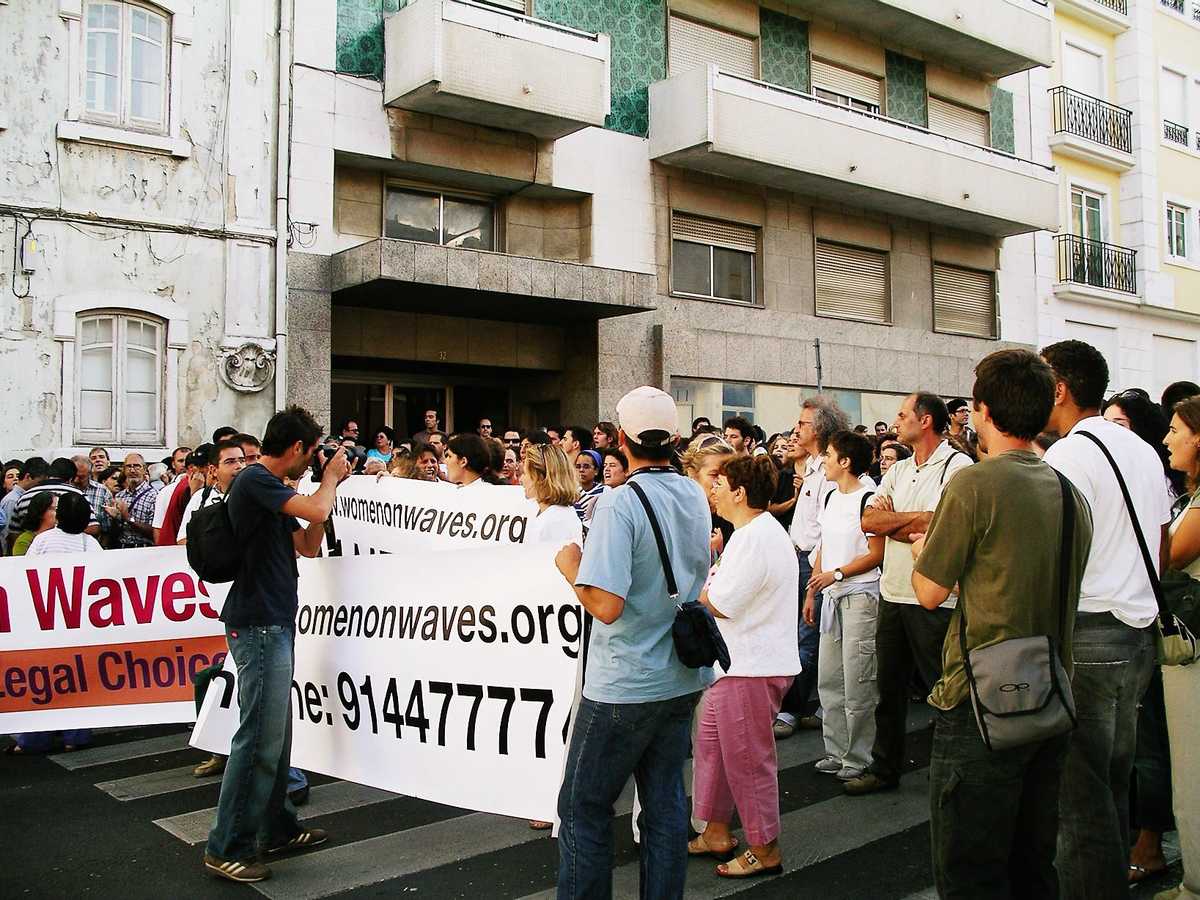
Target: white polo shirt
805, 530
914, 488
1115, 579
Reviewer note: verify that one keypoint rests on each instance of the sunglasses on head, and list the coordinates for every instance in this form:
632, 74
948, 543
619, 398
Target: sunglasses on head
710, 440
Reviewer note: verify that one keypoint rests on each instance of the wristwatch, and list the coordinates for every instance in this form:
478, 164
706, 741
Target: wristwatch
838, 574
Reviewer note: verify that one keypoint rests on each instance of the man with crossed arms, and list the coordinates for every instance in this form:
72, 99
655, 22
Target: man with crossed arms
906, 635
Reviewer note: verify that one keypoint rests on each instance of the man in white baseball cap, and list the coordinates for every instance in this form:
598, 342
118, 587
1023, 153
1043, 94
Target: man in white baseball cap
636, 709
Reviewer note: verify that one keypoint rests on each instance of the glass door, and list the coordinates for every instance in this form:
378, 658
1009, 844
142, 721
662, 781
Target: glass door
1087, 221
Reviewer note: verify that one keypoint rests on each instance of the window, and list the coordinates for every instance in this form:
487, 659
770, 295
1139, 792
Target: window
517, 6
1083, 70
1172, 104
852, 283
692, 44
964, 301
957, 121
433, 218
126, 52
1087, 214
712, 259
1177, 238
846, 87
120, 379
737, 400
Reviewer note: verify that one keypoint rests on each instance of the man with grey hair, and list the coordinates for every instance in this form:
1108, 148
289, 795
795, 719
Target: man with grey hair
133, 507
97, 495
820, 418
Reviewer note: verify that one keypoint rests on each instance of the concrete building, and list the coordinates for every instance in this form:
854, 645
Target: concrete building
1123, 103
137, 221
523, 209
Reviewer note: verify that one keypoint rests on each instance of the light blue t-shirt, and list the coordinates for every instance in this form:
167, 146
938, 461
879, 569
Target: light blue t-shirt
633, 660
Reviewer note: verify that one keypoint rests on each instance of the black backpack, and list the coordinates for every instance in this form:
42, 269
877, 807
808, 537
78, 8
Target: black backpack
213, 550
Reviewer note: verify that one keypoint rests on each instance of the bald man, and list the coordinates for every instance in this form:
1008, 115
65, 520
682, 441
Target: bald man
133, 508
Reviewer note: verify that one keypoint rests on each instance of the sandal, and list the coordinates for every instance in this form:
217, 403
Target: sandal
538, 825
748, 866
699, 847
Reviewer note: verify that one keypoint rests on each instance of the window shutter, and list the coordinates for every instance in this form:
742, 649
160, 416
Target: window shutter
710, 231
964, 301
852, 283
844, 81
953, 120
692, 44
515, 5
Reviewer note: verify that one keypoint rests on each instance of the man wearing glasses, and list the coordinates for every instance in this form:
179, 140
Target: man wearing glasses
133, 508
512, 438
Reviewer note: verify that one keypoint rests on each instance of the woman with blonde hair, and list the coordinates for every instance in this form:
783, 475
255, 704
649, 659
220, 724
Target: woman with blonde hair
702, 460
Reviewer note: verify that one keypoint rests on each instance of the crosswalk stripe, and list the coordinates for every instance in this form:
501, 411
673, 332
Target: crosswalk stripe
99, 756
138, 787
395, 855
324, 799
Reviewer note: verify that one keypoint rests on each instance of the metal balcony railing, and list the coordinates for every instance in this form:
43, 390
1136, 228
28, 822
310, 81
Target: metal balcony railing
1095, 263
1120, 6
1174, 132
1176, 5
1089, 117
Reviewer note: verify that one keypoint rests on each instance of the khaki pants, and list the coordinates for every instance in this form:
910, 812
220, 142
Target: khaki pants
1181, 687
846, 680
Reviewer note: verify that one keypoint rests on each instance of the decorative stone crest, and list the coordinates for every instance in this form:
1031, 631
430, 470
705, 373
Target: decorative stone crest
247, 368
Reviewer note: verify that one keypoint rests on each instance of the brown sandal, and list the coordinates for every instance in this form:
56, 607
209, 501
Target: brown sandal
699, 847
748, 866
539, 825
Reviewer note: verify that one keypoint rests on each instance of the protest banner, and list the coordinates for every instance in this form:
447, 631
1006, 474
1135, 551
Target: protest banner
103, 639
447, 676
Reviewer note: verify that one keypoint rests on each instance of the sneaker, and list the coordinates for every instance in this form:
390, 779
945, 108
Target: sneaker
782, 729
868, 783
829, 766
849, 773
309, 837
214, 765
244, 872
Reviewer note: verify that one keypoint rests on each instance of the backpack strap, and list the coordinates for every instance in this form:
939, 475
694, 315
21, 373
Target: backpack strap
672, 587
946, 465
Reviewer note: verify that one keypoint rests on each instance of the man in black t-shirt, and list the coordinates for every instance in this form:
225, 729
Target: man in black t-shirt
260, 618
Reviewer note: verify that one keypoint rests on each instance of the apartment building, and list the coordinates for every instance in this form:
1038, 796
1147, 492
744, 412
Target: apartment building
137, 222
522, 209
1124, 106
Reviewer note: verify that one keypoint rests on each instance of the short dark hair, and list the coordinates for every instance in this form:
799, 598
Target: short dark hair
757, 474
1018, 388
741, 425
860, 429
609, 429
214, 457
538, 437
657, 452
445, 437
35, 467
202, 455
74, 513
420, 447
696, 421
289, 426
855, 447
37, 508
243, 439
223, 433
63, 469
928, 404
615, 454
1176, 391
955, 405
581, 434
1082, 368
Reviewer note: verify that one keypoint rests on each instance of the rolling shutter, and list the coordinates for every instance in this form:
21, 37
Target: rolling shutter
691, 44
964, 301
844, 81
710, 231
852, 283
952, 120
517, 6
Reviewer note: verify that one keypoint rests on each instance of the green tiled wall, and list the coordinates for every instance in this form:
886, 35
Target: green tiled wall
1003, 133
783, 50
906, 92
638, 32
360, 35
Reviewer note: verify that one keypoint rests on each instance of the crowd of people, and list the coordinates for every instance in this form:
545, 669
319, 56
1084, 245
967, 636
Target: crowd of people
850, 571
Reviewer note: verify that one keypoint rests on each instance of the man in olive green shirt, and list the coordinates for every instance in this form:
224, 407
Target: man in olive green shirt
996, 534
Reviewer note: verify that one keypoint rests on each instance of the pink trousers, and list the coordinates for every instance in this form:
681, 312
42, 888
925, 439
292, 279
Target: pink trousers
734, 762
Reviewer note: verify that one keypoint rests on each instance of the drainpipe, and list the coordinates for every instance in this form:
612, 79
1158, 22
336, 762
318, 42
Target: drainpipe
282, 152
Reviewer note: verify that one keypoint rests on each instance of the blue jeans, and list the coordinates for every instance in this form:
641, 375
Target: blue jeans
1113, 663
808, 637
253, 807
610, 742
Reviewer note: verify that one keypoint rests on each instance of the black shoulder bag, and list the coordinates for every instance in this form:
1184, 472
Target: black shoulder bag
698, 641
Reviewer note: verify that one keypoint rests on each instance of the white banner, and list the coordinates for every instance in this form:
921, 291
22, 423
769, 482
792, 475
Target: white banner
104, 639
447, 676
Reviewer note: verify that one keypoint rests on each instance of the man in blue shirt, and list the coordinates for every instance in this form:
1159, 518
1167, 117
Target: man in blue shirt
635, 714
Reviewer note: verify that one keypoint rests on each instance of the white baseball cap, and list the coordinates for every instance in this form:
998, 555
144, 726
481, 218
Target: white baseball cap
647, 409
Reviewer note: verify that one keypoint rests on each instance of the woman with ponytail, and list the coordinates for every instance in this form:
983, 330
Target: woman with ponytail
469, 461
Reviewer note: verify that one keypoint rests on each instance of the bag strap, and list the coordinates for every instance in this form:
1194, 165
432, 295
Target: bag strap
862, 507
946, 465
672, 587
204, 495
1165, 617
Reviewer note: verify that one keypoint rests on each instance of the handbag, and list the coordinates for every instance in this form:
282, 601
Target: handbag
1019, 687
1176, 593
698, 640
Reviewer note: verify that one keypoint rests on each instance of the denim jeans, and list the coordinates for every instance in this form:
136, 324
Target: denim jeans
993, 814
1113, 663
610, 742
808, 637
1151, 784
253, 806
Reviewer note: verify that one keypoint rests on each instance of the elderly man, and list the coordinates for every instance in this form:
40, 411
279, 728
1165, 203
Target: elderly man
133, 508
97, 495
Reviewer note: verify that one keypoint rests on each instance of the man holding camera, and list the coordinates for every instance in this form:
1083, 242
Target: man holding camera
260, 616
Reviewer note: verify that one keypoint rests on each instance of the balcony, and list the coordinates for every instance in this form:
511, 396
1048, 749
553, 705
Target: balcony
1111, 16
486, 66
1093, 270
708, 121
1175, 133
992, 37
1090, 129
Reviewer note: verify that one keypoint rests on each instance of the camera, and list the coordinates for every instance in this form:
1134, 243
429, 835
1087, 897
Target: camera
321, 457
